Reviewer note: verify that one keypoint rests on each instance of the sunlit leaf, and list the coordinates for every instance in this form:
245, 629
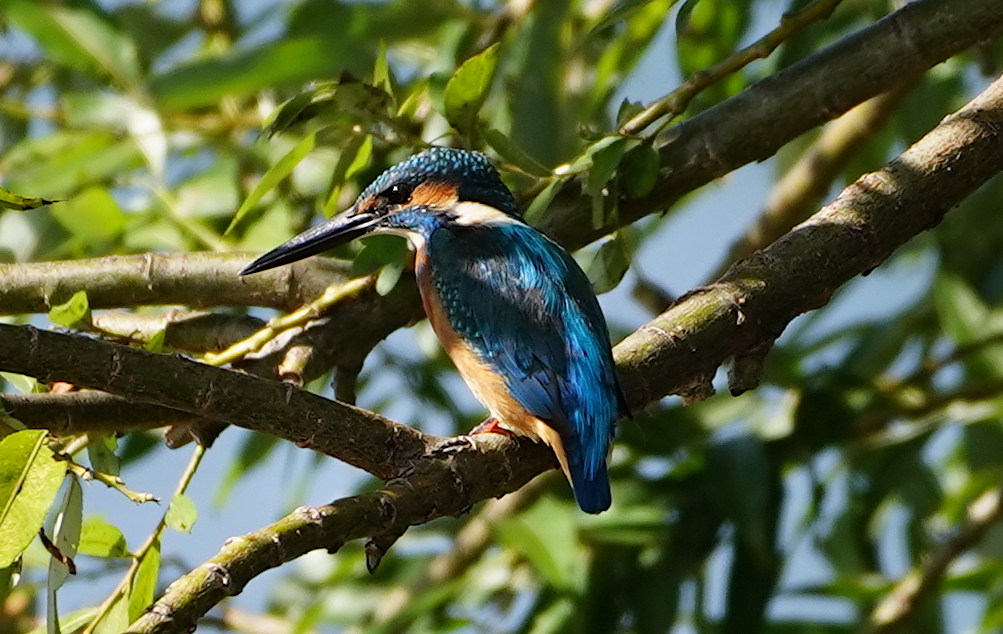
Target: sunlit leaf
30, 477
78, 38
144, 584
98, 538
93, 216
65, 533
468, 89
10, 200
73, 312
273, 177
181, 514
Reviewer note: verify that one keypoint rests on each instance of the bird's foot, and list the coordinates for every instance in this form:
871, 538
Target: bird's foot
459, 443
492, 426
451, 445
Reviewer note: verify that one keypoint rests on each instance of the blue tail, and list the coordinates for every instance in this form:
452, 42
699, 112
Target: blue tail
592, 493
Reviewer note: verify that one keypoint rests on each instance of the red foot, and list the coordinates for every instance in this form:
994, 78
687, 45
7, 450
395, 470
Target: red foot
492, 426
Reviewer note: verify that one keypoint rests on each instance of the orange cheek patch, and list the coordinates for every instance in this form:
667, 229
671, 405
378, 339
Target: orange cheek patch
434, 194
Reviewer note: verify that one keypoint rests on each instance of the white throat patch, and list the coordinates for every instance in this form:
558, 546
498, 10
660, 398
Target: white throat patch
470, 213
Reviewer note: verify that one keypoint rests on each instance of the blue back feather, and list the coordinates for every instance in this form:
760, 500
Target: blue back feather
529, 311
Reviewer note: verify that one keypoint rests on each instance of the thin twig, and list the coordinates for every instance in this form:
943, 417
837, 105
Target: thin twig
675, 103
900, 604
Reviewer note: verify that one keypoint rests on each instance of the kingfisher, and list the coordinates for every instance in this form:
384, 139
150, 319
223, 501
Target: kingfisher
512, 309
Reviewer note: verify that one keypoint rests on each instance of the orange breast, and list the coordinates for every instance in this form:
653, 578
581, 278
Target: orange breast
487, 385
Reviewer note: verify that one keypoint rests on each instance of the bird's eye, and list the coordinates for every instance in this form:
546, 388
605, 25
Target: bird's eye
396, 194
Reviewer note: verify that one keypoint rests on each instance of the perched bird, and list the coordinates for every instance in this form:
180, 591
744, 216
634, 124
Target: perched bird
512, 309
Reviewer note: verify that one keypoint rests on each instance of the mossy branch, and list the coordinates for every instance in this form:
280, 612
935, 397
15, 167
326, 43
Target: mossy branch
676, 352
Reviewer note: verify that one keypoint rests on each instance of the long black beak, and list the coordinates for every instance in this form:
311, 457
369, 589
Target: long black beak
339, 230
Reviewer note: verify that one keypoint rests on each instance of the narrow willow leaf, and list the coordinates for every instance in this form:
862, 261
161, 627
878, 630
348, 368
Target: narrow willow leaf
65, 533
639, 170
509, 151
101, 452
144, 584
10, 200
93, 216
609, 265
66, 537
23, 384
181, 514
74, 312
30, 477
273, 177
468, 89
78, 38
382, 74
534, 213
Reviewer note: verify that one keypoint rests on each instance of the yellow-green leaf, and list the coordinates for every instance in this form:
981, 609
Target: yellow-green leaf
98, 538
181, 514
72, 313
468, 88
30, 476
274, 176
10, 200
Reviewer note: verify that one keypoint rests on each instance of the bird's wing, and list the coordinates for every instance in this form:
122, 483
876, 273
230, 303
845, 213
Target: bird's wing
529, 312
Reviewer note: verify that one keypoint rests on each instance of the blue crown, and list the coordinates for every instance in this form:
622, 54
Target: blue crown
476, 178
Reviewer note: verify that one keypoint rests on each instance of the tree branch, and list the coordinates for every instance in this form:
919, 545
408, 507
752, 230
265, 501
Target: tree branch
199, 280
676, 352
893, 612
754, 124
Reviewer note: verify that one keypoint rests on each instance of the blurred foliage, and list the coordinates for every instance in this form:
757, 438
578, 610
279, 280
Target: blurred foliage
217, 125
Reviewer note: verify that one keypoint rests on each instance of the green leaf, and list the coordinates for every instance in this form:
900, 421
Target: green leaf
101, 452
181, 514
639, 170
78, 38
534, 213
355, 155
98, 538
92, 216
382, 73
741, 481
509, 151
72, 313
389, 275
554, 618
144, 584
10, 200
345, 102
66, 160
245, 71
605, 156
74, 622
274, 176
65, 532
30, 477
23, 384
609, 265
468, 89
547, 536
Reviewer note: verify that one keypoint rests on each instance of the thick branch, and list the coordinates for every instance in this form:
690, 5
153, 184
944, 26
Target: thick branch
754, 124
358, 437
439, 486
894, 611
80, 412
199, 280
744, 311
752, 304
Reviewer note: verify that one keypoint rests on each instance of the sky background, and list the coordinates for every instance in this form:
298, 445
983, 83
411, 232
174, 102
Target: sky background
678, 257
